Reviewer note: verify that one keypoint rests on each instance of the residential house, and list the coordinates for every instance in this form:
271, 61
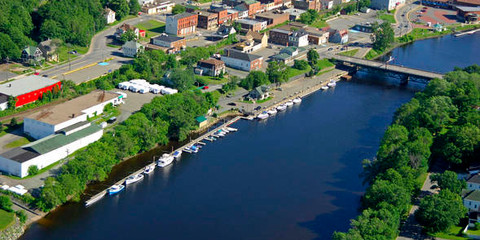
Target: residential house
156, 7
109, 15
253, 6
124, 28
132, 48
32, 54
207, 20
182, 24
473, 183
259, 93
261, 38
252, 24
308, 4
172, 44
273, 18
252, 42
471, 200
224, 31
339, 36
316, 36
386, 4
298, 38
49, 50
272, 4
210, 67
243, 61
327, 4
294, 14
289, 54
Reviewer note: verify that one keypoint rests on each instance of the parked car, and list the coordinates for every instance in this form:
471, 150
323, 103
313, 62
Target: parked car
232, 104
112, 120
205, 87
36, 73
258, 108
330, 49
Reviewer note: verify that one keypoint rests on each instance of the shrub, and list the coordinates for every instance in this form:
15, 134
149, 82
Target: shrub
6, 203
22, 216
32, 170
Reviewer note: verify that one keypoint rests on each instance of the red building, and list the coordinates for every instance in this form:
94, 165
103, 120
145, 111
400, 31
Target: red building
29, 89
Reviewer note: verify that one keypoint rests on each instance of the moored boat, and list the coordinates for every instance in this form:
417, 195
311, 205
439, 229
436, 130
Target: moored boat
289, 103
134, 178
165, 160
282, 107
272, 111
325, 88
231, 129
115, 189
177, 154
297, 100
149, 169
262, 115
332, 83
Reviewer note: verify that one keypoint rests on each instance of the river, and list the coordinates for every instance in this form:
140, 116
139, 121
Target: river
293, 176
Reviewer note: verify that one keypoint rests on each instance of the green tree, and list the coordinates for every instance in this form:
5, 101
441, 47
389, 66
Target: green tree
386, 191
129, 35
178, 9
461, 143
254, 79
437, 113
5, 203
13, 122
121, 8
383, 36
182, 79
134, 7
313, 57
309, 17
8, 47
237, 26
32, 170
277, 72
231, 85
300, 64
440, 211
449, 180
22, 216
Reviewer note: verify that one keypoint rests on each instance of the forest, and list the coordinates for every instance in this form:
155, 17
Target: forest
438, 124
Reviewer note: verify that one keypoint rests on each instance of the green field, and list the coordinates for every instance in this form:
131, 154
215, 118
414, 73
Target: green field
292, 72
63, 54
387, 18
324, 63
6, 219
349, 53
152, 27
319, 24
452, 233
372, 54
211, 80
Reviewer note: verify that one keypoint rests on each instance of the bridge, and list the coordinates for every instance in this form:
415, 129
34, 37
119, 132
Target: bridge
409, 72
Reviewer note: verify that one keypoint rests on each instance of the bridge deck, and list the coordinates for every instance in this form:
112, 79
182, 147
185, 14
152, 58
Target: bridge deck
386, 67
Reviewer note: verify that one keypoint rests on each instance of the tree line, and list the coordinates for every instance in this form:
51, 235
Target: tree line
440, 122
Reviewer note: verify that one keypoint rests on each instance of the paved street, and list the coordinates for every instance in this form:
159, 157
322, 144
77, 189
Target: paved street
403, 25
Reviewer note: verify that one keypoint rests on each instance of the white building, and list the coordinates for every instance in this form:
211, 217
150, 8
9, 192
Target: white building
472, 200
473, 183
386, 4
109, 15
243, 61
298, 38
155, 7
131, 48
72, 113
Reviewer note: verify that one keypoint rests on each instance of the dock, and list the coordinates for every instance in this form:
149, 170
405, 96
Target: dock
93, 199
465, 33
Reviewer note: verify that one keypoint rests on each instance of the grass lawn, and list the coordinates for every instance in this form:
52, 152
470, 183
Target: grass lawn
387, 18
452, 233
63, 54
259, 101
323, 72
17, 143
319, 24
211, 80
349, 53
204, 1
152, 27
6, 219
372, 54
324, 63
421, 179
473, 232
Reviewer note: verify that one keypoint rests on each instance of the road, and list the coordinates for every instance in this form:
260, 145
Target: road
403, 25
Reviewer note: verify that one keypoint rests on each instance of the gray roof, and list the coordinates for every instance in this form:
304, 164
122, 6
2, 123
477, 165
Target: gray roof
468, 9
168, 38
249, 21
474, 179
132, 44
280, 30
241, 56
20, 155
181, 15
26, 85
473, 196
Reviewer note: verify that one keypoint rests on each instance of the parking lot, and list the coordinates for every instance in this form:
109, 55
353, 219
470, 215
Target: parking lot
348, 21
133, 103
432, 15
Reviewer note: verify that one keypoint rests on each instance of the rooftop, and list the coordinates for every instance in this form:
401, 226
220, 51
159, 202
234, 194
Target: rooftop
280, 30
241, 56
474, 179
271, 15
168, 38
474, 2
210, 61
63, 112
469, 9
26, 85
249, 21
473, 196
181, 15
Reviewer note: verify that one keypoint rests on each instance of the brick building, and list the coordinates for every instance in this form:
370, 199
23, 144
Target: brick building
273, 17
207, 20
308, 4
182, 24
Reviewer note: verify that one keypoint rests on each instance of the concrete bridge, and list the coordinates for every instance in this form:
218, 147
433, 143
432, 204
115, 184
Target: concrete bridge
409, 72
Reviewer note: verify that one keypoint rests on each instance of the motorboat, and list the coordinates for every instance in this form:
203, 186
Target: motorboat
282, 107
133, 179
165, 160
177, 154
297, 100
325, 88
231, 129
289, 103
272, 111
262, 115
149, 169
332, 83
225, 130
115, 189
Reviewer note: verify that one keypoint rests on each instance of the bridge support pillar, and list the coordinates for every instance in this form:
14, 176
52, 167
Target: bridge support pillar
404, 80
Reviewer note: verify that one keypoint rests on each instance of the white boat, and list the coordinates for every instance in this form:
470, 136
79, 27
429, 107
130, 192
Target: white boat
297, 100
165, 160
177, 154
272, 111
325, 88
115, 189
282, 107
332, 83
289, 103
149, 169
231, 129
134, 178
225, 130
262, 115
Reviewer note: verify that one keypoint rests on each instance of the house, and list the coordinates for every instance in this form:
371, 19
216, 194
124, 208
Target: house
202, 121
109, 15
253, 7
339, 36
316, 36
252, 24
308, 4
124, 28
156, 7
28, 89
261, 38
49, 50
224, 31
273, 18
259, 93
294, 14
327, 4
386, 4
271, 4
289, 54
252, 42
207, 20
211, 67
32, 54
471, 200
182, 24
172, 44
473, 183
243, 61
232, 15
132, 48
298, 38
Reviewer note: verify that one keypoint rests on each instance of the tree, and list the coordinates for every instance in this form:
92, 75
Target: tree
237, 26
12, 102
277, 72
449, 180
309, 17
438, 112
254, 79
313, 57
121, 8
13, 122
460, 143
182, 79
22, 216
386, 191
32, 170
383, 36
5, 203
231, 85
300, 64
134, 7
440, 211
178, 9
129, 35
8, 47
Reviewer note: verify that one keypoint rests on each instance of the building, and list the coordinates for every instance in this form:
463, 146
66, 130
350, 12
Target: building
294, 14
182, 24
31, 55
261, 38
252, 42
473, 183
259, 93
242, 10
298, 38
232, 15
386, 4
468, 14
124, 28
327, 4
49, 50
202, 121
308, 4
467, 3
222, 14
339, 36
210, 67
156, 7
316, 36
364, 27
28, 89
280, 36
253, 6
109, 15
224, 31
63, 117
289, 54
171, 43
251, 24
273, 18
471, 200
243, 61
132, 48
207, 20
